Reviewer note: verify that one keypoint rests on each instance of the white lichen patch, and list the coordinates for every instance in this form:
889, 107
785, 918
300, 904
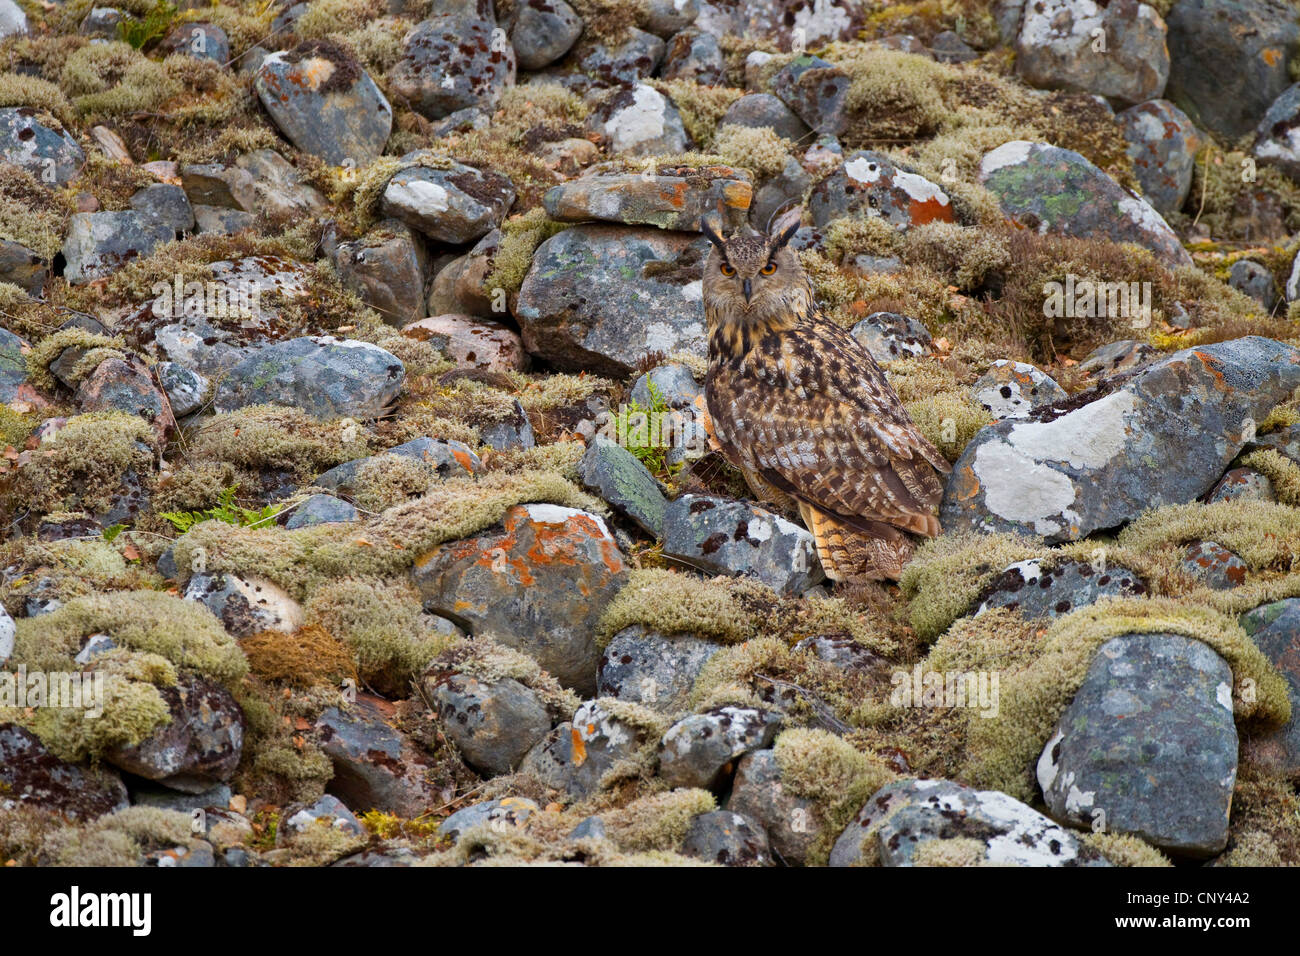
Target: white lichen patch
640, 122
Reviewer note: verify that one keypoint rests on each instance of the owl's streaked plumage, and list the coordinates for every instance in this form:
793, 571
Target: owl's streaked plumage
806, 413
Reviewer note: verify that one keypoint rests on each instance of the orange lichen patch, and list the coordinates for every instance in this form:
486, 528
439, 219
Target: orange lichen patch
308, 657
464, 460
1271, 55
738, 194
930, 210
579, 756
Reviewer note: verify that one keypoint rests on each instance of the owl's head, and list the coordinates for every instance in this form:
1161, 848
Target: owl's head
755, 279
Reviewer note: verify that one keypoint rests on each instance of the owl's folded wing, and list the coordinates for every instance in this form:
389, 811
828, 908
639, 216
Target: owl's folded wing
824, 426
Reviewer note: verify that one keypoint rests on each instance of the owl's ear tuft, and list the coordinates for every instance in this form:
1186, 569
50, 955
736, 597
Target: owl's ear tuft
783, 225
711, 226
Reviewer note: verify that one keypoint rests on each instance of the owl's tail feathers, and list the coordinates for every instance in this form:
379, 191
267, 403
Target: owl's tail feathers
855, 556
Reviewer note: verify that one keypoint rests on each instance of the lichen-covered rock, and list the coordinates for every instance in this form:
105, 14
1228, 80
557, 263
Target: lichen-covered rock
1214, 565
7, 631
652, 669
1014, 389
1058, 48
100, 243
815, 90
1275, 630
324, 376
1243, 484
329, 810
49, 154
627, 63
203, 41
701, 750
245, 605
198, 748
387, 268
911, 814
1148, 746
472, 342
577, 754
727, 839
733, 537
125, 386
539, 585
869, 185
1056, 190
375, 766
611, 471
1277, 138
185, 388
32, 776
14, 386
666, 201
640, 121
1163, 143
598, 298
493, 725
325, 103
454, 62
1037, 593
791, 822
321, 509
889, 336
694, 55
447, 458
1164, 437
542, 31
502, 815
12, 19
1254, 280
454, 205
1228, 60
758, 110
261, 181
165, 203
666, 17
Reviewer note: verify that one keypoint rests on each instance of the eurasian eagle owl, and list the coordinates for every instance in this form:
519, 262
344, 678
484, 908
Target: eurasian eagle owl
806, 413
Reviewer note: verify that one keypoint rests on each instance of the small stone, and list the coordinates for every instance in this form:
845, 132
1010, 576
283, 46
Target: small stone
728, 839
614, 473
375, 766
652, 669
321, 509
185, 387
452, 62
694, 55
815, 90
504, 814
576, 755
493, 725
701, 750
1036, 593
640, 121
98, 244
472, 342
455, 205
1163, 143
666, 201
245, 605
32, 776
889, 337
757, 110
48, 153
1243, 484
1214, 565
1014, 389
543, 31
871, 186
446, 459
732, 537
625, 65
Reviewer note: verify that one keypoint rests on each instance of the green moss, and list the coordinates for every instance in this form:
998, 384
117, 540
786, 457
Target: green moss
30, 213
117, 839
520, 237
1001, 752
955, 851
182, 632
19, 89
83, 466
383, 624
1282, 472
659, 821
837, 778
947, 574
701, 107
1124, 850
109, 79
50, 348
275, 437
304, 559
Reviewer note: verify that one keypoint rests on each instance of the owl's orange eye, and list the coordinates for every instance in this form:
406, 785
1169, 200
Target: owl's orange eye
727, 270
768, 269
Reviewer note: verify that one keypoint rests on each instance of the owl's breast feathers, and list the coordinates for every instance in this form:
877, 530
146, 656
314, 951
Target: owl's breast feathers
807, 409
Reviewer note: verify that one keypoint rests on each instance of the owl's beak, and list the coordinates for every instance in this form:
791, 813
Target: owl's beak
748, 287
